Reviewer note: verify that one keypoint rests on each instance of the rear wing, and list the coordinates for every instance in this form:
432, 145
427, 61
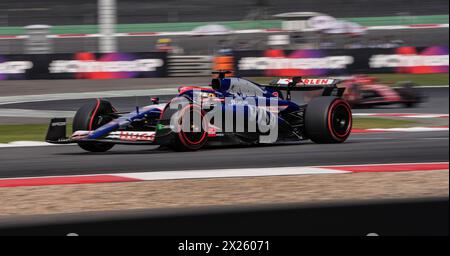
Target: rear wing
329, 85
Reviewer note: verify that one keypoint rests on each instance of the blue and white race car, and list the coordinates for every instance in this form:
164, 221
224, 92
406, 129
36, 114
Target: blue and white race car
230, 111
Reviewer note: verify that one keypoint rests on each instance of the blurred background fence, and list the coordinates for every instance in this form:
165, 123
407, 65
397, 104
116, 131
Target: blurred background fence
192, 34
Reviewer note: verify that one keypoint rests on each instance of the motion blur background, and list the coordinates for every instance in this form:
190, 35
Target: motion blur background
201, 30
81, 17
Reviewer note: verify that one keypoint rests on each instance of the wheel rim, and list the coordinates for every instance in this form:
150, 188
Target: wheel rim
196, 134
340, 120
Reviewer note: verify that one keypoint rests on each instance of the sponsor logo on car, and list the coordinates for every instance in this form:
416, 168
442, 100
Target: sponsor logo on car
137, 136
317, 81
307, 81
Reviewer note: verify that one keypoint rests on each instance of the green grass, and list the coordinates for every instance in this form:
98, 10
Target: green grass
391, 79
36, 132
28, 132
399, 20
420, 79
369, 122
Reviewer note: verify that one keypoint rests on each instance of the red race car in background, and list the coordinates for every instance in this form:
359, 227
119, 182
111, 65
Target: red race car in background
366, 91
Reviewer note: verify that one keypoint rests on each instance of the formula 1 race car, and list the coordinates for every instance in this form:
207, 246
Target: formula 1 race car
230, 111
366, 91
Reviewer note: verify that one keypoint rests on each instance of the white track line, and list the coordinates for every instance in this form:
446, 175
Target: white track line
410, 129
219, 173
406, 115
16, 144
429, 86
211, 173
85, 95
228, 173
10, 112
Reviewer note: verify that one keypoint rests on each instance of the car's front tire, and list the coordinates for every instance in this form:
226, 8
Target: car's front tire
88, 118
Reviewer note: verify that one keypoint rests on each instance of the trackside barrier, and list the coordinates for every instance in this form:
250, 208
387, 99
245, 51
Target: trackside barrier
248, 63
84, 65
324, 62
189, 65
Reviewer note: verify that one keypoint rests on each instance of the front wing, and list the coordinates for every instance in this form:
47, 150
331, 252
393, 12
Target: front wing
56, 134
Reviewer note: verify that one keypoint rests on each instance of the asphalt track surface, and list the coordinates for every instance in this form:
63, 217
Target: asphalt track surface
437, 101
359, 149
33, 87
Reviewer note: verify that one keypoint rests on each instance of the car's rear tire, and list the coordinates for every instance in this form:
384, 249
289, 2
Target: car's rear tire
89, 117
328, 120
